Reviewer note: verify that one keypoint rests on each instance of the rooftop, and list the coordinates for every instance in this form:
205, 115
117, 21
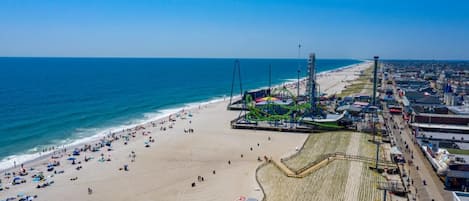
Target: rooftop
460, 196
443, 115
442, 126
460, 110
446, 136
428, 100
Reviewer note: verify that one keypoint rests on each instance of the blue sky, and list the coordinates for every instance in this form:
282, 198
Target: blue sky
392, 29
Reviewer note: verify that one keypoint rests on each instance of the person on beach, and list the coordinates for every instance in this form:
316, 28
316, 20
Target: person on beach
90, 191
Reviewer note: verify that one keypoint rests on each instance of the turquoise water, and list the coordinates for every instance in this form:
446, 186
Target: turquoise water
56, 101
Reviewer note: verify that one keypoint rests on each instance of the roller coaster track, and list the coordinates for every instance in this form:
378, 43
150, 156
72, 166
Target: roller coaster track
325, 160
294, 112
266, 113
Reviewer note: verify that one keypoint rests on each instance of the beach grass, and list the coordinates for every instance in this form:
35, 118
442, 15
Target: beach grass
361, 85
458, 151
324, 184
317, 145
368, 189
329, 182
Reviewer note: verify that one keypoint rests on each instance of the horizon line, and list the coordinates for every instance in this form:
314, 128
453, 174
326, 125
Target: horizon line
131, 57
292, 58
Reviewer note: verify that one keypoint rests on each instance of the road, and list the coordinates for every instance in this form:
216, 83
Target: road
434, 188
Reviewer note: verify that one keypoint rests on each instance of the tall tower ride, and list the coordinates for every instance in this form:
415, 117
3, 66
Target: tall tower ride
311, 84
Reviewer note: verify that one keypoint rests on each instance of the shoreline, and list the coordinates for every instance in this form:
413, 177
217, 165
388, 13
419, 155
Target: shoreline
7, 163
179, 158
31, 159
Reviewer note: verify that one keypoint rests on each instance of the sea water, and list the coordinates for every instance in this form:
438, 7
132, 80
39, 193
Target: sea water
48, 102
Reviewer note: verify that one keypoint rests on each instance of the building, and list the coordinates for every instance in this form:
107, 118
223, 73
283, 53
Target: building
460, 196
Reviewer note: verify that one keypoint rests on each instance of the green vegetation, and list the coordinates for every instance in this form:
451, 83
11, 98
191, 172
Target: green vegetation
329, 182
458, 151
368, 185
325, 125
362, 84
317, 145
368, 189
324, 184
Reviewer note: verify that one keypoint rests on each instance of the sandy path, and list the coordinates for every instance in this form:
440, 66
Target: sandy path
354, 173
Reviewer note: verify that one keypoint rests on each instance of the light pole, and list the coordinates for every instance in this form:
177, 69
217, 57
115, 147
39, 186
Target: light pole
297, 93
298, 71
298, 86
270, 80
375, 78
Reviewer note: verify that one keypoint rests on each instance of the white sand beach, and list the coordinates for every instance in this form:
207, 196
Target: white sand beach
167, 168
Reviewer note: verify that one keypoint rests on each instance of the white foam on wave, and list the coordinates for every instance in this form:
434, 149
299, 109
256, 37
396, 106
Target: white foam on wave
290, 80
10, 161
98, 133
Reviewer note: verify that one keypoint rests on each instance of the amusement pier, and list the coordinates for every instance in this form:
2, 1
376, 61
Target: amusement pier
389, 129
284, 109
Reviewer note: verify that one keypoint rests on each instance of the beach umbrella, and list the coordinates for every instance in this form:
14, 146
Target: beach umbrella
71, 159
268, 98
36, 179
17, 180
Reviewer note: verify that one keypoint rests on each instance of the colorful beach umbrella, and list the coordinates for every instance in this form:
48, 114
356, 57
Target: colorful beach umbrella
268, 98
76, 153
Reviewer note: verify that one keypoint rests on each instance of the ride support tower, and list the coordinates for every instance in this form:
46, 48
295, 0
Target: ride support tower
311, 84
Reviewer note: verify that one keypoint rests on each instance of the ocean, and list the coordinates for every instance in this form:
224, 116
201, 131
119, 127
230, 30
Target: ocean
48, 102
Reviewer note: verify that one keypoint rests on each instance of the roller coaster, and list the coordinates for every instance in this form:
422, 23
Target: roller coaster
279, 106
280, 110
